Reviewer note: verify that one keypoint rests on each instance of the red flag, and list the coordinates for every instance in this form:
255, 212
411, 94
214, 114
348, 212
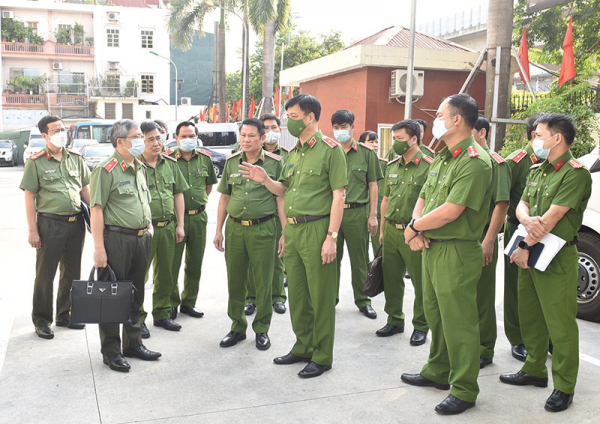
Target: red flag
252, 107
290, 93
524, 56
212, 114
227, 112
567, 67
277, 100
201, 115
239, 110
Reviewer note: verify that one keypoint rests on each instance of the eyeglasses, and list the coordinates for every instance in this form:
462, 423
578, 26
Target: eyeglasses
184, 137
57, 130
135, 137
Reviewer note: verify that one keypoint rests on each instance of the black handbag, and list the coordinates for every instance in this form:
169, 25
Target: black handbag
101, 302
374, 281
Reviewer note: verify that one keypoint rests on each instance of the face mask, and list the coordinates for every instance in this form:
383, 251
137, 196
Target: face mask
59, 140
296, 126
272, 137
342, 135
188, 144
400, 147
137, 147
439, 127
538, 147
163, 137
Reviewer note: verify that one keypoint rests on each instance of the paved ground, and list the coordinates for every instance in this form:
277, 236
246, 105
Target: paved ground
196, 381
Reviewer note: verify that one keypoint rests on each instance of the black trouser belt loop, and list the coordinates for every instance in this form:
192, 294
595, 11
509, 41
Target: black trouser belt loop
397, 225
307, 218
572, 242
441, 240
251, 222
129, 231
513, 221
65, 218
163, 223
354, 205
195, 211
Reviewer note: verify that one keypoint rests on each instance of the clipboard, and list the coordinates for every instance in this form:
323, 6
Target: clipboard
541, 253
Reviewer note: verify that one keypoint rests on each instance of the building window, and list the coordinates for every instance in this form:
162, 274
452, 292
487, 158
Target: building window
127, 110
110, 111
147, 39
112, 37
113, 84
147, 83
148, 114
33, 26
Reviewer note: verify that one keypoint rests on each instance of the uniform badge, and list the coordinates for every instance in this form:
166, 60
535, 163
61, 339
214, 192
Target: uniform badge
393, 176
558, 165
473, 153
123, 183
49, 171
456, 152
234, 175
123, 165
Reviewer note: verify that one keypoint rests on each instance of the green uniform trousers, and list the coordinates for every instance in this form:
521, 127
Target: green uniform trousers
486, 306
277, 290
375, 238
512, 328
194, 243
161, 255
254, 245
354, 231
312, 290
128, 256
397, 257
548, 310
62, 243
451, 270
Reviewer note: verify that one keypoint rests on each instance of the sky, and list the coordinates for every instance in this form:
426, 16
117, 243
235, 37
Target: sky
353, 18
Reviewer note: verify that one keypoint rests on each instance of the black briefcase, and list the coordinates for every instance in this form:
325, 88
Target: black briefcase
101, 302
374, 281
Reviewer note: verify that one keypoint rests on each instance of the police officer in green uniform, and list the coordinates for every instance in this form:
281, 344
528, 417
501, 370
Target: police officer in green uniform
251, 236
448, 221
312, 181
166, 185
360, 207
556, 195
404, 178
486, 287
198, 171
54, 182
426, 150
121, 224
519, 163
271, 145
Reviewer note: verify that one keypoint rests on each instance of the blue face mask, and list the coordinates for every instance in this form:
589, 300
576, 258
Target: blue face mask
538, 147
342, 135
137, 147
188, 144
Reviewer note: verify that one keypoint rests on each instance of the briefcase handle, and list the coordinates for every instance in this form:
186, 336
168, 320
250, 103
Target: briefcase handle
378, 254
113, 277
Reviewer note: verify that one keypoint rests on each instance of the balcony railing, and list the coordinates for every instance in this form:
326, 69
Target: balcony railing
22, 47
113, 91
49, 48
73, 50
27, 101
71, 99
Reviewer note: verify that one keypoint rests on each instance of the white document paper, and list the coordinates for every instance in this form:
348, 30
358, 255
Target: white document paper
552, 245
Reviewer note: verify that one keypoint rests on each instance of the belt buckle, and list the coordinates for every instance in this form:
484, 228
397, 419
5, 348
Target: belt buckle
400, 226
72, 218
141, 232
192, 212
246, 223
161, 224
346, 206
292, 221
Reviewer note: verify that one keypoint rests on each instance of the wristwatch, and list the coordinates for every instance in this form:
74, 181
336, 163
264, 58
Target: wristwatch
333, 234
411, 225
523, 245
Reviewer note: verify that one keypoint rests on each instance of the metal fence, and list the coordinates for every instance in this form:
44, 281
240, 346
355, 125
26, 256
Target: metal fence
590, 98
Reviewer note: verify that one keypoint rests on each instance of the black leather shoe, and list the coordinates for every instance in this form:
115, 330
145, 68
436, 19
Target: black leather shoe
262, 341
484, 362
173, 313
232, 338
141, 352
418, 338
167, 324
522, 379
44, 332
289, 359
550, 348
145, 331
369, 311
313, 370
389, 330
250, 308
419, 380
558, 401
453, 405
116, 362
519, 352
279, 307
407, 275
284, 281
70, 325
191, 311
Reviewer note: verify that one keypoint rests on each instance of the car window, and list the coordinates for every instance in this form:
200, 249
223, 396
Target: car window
217, 138
83, 132
81, 143
38, 143
98, 150
101, 133
5, 144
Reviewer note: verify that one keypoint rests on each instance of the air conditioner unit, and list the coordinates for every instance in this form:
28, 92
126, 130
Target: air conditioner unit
57, 66
113, 16
400, 82
113, 66
186, 101
8, 14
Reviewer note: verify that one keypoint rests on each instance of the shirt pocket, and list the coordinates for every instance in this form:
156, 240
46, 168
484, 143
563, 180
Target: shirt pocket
168, 181
199, 178
359, 173
127, 190
311, 177
236, 182
52, 181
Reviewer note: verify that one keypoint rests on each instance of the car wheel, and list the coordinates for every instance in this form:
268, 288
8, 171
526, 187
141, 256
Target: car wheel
217, 169
12, 163
588, 283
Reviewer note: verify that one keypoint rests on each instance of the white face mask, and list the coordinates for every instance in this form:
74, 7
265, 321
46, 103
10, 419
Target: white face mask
342, 135
59, 140
439, 127
272, 137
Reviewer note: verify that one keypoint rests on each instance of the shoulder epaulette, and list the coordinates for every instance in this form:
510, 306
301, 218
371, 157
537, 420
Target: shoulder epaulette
517, 158
367, 147
168, 152
429, 148
71, 152
472, 151
428, 159
274, 156
535, 165
576, 164
331, 143
38, 154
394, 160
383, 159
111, 164
204, 152
166, 156
285, 149
497, 157
234, 154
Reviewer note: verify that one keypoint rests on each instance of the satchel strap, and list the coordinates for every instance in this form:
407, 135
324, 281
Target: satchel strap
113, 277
378, 254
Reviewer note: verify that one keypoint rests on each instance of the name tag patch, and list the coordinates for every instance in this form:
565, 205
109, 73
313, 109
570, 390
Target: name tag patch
124, 183
49, 171
393, 175
235, 175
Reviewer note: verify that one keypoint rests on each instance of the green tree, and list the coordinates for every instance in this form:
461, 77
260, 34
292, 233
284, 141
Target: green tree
16, 31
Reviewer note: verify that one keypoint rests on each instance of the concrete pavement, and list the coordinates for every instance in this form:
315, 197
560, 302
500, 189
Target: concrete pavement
64, 380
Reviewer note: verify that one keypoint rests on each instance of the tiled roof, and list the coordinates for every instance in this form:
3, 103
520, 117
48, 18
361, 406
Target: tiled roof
399, 36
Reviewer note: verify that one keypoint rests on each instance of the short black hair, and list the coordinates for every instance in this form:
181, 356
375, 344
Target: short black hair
482, 123
559, 123
411, 127
307, 103
465, 106
148, 126
269, 117
48, 119
367, 136
185, 124
531, 124
422, 122
341, 117
255, 123
161, 124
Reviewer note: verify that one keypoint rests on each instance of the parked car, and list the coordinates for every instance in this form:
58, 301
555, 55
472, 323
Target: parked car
222, 137
97, 130
217, 156
35, 145
9, 153
78, 144
93, 154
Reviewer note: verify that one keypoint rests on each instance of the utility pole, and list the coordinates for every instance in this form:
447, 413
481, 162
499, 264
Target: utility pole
411, 62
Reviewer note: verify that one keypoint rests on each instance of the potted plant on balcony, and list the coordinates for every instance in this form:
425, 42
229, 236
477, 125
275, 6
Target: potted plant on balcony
63, 36
89, 41
20, 84
131, 88
17, 32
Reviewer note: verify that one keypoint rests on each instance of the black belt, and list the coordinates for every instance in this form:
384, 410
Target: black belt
251, 222
354, 205
572, 242
65, 218
124, 230
195, 211
163, 223
307, 218
513, 221
397, 225
441, 240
